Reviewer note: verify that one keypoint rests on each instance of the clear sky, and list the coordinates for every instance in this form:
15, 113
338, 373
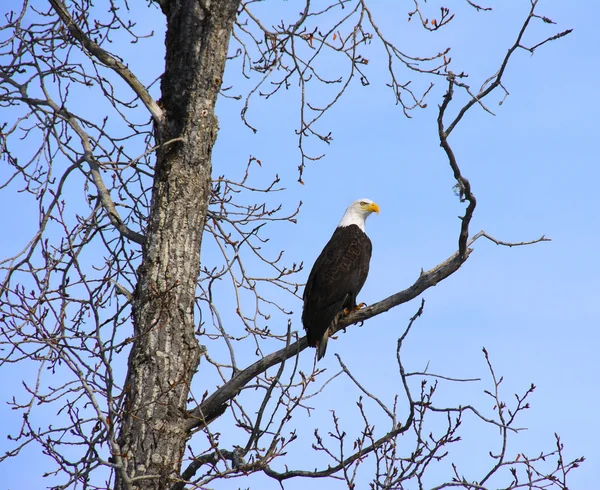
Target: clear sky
535, 171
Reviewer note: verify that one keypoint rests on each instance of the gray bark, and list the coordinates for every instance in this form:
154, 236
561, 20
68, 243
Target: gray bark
165, 353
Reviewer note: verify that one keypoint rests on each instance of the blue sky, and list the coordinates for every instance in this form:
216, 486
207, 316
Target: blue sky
534, 169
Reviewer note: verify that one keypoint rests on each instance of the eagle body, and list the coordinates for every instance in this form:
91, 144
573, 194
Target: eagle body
338, 275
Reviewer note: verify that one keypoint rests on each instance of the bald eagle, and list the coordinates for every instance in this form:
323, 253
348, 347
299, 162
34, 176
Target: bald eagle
338, 274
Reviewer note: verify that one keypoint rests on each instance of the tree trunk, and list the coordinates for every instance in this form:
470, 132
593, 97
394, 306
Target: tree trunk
165, 353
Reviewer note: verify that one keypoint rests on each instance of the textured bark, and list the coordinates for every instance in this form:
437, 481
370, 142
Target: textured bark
165, 353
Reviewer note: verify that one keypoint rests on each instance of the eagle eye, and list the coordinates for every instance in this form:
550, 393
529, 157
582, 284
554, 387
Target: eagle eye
363, 203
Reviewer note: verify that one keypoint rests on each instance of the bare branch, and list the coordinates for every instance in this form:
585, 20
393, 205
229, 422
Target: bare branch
109, 61
215, 404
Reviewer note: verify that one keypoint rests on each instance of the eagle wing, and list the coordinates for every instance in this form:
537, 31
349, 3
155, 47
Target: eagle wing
335, 280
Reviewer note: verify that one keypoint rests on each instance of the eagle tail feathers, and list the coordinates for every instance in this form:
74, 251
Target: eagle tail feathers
322, 345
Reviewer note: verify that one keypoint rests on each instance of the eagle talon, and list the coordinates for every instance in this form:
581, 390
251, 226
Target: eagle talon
358, 307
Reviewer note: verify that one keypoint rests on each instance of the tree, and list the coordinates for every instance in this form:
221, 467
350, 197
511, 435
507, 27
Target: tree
112, 276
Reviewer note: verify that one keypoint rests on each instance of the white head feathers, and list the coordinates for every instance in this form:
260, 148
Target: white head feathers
358, 212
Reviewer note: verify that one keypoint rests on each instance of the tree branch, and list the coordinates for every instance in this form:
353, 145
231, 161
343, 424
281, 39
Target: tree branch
364, 451
109, 61
347, 461
109, 205
216, 404
463, 184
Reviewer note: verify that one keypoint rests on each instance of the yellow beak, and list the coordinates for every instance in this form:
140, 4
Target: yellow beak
373, 207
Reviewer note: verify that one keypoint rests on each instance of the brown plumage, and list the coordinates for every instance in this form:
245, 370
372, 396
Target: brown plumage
338, 275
